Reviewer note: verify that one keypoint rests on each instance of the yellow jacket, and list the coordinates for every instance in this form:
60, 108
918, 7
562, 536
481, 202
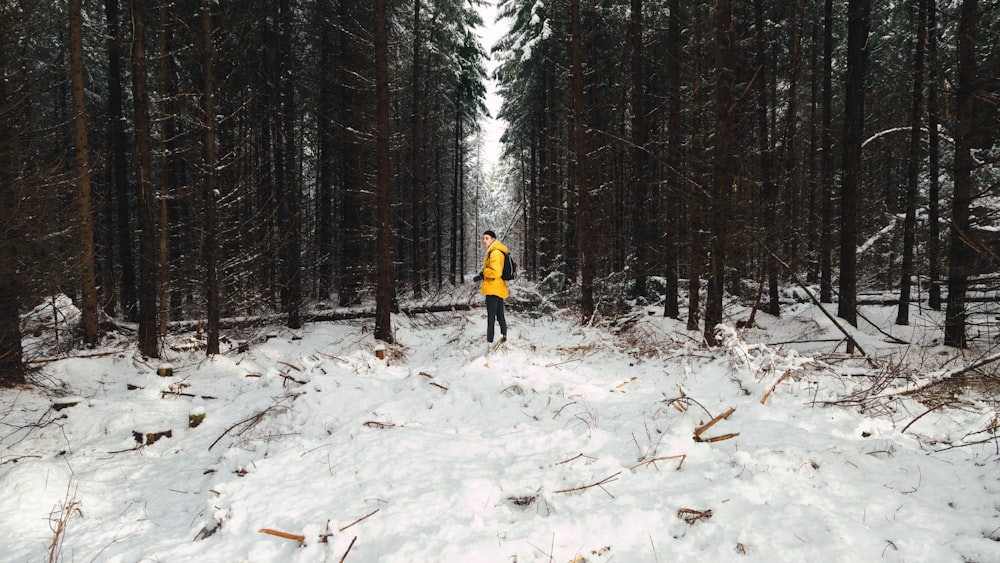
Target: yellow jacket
493, 284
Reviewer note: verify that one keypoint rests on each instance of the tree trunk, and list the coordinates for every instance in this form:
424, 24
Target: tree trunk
769, 190
913, 168
640, 229
383, 241
933, 163
167, 179
118, 167
88, 278
724, 162
671, 307
12, 370
416, 161
695, 197
584, 237
291, 211
325, 181
959, 252
826, 163
854, 123
148, 344
210, 185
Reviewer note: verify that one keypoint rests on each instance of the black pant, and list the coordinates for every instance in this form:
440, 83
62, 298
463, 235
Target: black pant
494, 310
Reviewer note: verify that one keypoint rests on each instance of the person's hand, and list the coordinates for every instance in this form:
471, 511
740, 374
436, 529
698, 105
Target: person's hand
478, 278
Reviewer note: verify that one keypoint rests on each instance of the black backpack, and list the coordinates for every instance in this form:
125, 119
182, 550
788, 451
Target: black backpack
509, 267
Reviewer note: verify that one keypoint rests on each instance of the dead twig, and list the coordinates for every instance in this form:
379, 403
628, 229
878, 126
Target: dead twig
771, 390
701, 429
691, 516
369, 515
653, 461
600, 483
348, 549
280, 534
921, 415
574, 458
250, 422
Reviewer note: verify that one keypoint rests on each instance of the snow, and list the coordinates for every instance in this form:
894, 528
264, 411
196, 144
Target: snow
571, 444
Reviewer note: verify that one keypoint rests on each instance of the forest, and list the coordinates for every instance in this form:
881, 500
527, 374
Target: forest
171, 162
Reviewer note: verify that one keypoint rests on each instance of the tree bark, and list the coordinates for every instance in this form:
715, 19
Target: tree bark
671, 307
88, 277
583, 187
118, 168
210, 185
913, 168
383, 241
959, 252
148, 344
641, 239
826, 163
12, 370
724, 162
854, 122
933, 163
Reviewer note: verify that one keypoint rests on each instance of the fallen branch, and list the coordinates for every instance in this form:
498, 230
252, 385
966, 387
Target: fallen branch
946, 376
348, 549
379, 425
574, 458
287, 377
815, 301
249, 421
691, 516
597, 484
928, 411
701, 430
163, 394
280, 534
435, 384
369, 515
719, 438
653, 461
771, 390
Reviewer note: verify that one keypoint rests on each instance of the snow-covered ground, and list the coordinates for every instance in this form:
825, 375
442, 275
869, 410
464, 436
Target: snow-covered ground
571, 444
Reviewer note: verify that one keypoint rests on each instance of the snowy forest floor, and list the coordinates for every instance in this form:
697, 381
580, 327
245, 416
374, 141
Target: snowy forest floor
623, 441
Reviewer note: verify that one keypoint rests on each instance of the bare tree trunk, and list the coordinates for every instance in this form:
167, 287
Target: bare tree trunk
166, 165
12, 370
584, 237
88, 277
913, 168
325, 181
671, 307
933, 163
118, 168
640, 228
148, 344
854, 123
383, 240
416, 161
695, 198
826, 163
959, 252
210, 186
291, 249
769, 190
725, 181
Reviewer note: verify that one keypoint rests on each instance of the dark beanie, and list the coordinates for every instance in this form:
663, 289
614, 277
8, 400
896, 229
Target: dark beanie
491, 233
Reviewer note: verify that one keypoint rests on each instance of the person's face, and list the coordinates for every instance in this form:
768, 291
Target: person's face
488, 240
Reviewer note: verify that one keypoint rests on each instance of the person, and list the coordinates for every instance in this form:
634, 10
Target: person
494, 287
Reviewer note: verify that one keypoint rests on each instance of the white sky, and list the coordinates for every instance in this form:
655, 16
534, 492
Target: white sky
492, 128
